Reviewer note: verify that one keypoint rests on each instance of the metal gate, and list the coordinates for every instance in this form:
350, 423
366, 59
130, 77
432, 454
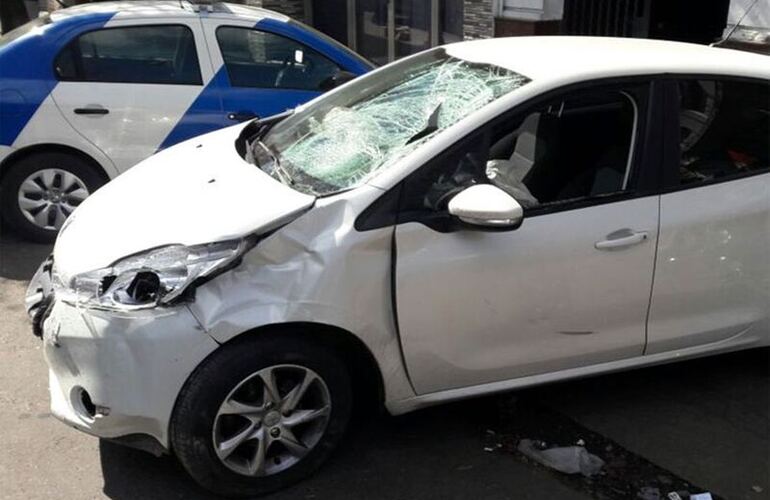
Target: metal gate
623, 18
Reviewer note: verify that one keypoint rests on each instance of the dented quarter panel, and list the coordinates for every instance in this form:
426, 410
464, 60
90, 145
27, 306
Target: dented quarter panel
307, 272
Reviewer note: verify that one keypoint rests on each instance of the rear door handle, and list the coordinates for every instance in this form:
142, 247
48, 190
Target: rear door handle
241, 116
621, 239
92, 110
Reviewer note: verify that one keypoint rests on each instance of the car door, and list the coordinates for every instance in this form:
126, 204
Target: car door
571, 286
712, 280
132, 89
261, 72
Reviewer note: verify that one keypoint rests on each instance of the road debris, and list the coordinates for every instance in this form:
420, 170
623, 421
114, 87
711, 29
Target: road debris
648, 493
624, 474
567, 459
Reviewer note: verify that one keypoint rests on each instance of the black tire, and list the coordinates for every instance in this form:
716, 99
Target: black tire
22, 169
199, 400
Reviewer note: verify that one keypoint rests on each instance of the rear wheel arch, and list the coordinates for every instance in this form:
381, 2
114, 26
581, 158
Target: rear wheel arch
8, 163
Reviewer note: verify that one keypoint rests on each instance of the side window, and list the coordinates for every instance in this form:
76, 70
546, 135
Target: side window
264, 60
725, 126
160, 54
571, 149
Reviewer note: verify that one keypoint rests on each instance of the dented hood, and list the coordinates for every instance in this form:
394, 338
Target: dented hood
199, 191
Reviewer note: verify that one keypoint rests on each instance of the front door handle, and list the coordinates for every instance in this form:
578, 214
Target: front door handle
621, 239
93, 109
241, 116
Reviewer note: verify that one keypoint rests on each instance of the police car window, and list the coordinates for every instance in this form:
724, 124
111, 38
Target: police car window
264, 60
160, 54
724, 127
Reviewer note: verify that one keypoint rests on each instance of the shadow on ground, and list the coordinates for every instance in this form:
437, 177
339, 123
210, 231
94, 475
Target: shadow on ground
439, 452
436, 453
20, 259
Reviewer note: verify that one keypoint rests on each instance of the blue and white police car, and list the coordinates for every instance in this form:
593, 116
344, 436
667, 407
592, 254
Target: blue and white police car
89, 91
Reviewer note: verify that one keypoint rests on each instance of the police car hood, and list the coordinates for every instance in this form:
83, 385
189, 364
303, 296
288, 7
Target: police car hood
199, 191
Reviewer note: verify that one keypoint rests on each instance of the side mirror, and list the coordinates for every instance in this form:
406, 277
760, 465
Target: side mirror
486, 205
336, 80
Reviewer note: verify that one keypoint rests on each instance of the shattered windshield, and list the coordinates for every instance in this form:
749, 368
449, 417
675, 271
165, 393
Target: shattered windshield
343, 139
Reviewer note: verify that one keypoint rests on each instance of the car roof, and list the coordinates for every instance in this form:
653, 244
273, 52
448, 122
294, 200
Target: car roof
561, 59
165, 8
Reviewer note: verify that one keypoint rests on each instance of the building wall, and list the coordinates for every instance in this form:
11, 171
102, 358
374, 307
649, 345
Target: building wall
479, 19
528, 17
292, 8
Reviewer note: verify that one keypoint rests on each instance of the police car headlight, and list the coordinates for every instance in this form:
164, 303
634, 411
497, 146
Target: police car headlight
155, 277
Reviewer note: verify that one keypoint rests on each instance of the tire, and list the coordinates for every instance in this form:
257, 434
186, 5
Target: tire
66, 178
235, 372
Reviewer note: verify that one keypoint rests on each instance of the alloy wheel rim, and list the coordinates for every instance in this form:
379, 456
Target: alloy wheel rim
48, 196
271, 420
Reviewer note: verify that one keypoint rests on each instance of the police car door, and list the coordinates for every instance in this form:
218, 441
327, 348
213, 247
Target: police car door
133, 88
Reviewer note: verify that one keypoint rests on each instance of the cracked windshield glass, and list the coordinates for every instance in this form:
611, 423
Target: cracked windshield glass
342, 140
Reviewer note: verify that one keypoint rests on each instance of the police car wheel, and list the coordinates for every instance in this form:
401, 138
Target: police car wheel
41, 190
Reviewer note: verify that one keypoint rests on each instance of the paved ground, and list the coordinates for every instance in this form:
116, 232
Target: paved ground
705, 421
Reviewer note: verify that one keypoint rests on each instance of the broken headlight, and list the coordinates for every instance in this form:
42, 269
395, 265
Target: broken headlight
154, 277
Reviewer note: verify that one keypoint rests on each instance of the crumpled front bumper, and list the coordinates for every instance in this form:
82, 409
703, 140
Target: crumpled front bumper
117, 375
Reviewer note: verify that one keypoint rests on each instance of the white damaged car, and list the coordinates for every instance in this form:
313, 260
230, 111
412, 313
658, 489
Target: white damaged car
475, 218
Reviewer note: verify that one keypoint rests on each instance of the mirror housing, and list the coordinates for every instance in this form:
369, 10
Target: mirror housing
488, 206
336, 80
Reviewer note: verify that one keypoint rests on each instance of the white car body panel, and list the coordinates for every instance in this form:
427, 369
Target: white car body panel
301, 274
567, 59
426, 400
210, 184
712, 278
475, 307
432, 347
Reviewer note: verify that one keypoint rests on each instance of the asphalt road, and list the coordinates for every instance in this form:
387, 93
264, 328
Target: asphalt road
705, 422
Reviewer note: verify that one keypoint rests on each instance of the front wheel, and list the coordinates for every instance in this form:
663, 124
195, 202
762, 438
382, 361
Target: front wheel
41, 190
261, 414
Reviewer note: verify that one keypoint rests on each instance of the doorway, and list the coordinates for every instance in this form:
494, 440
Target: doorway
386, 30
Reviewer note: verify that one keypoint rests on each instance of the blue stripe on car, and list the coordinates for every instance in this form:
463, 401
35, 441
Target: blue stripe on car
26, 70
203, 115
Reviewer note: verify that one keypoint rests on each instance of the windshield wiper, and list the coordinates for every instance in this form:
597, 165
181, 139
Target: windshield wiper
431, 127
283, 174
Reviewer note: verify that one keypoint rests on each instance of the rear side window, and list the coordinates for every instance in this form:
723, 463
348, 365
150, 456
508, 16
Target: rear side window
264, 60
161, 54
725, 129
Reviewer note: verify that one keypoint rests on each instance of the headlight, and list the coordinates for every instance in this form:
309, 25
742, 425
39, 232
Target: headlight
153, 277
